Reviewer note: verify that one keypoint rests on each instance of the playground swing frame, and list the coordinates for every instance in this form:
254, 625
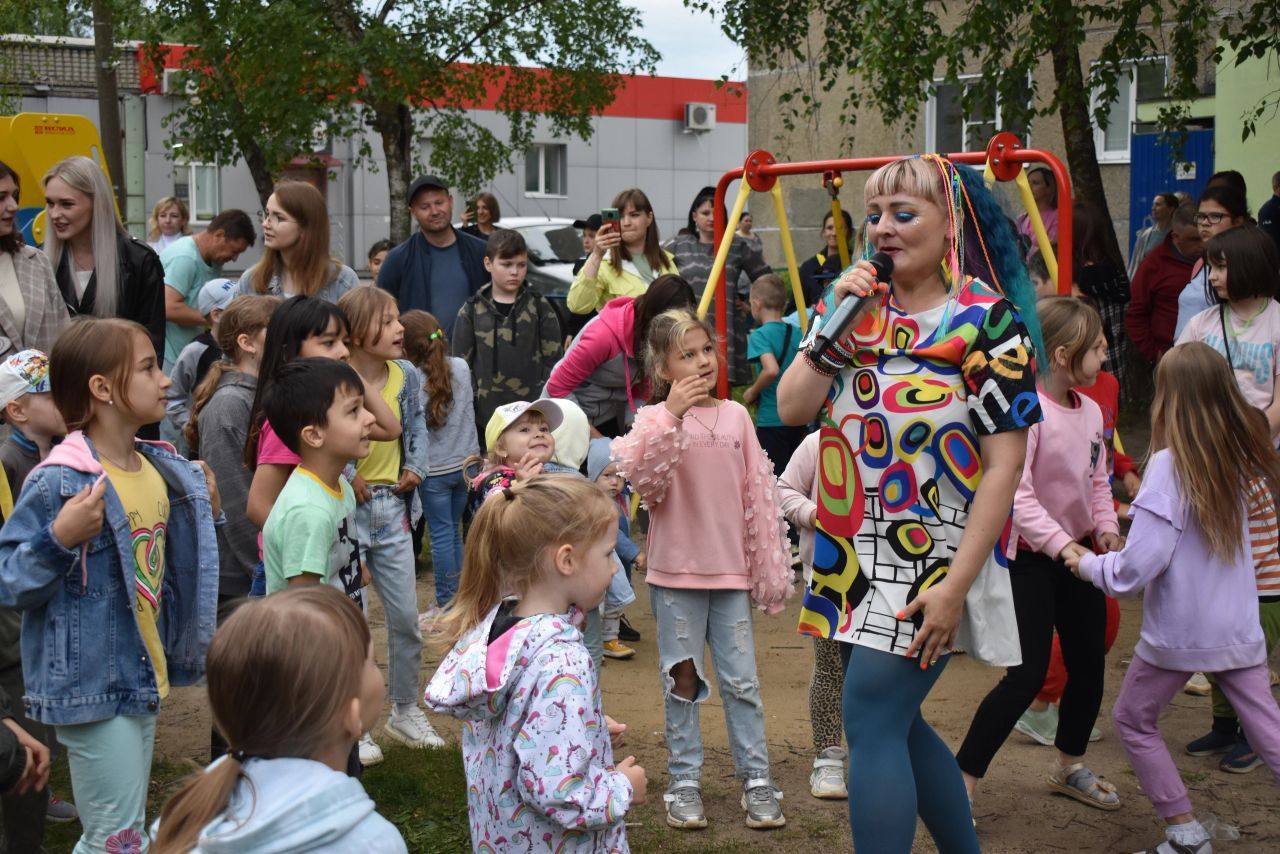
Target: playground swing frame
1003, 160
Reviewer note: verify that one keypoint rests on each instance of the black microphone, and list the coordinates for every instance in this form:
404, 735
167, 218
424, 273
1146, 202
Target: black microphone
848, 310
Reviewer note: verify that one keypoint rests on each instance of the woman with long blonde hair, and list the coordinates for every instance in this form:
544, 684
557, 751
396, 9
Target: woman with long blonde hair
101, 269
295, 248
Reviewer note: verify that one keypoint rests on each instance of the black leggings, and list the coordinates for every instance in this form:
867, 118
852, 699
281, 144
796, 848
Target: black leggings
1045, 596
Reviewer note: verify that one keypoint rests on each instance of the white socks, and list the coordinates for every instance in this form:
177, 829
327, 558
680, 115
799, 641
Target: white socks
401, 709
1190, 834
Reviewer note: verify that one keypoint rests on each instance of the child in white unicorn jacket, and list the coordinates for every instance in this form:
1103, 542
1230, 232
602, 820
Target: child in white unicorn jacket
533, 729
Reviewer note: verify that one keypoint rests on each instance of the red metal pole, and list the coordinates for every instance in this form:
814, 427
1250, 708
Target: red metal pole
722, 314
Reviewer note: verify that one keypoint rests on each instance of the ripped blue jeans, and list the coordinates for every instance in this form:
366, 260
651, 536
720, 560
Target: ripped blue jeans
689, 621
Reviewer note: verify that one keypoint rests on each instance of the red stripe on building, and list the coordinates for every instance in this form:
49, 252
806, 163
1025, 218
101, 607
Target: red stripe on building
639, 96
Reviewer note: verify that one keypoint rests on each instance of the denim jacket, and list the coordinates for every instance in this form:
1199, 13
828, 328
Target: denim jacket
83, 656
413, 433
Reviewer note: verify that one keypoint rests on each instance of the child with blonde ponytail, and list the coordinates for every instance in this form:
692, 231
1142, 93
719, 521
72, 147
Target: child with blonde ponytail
518, 665
292, 685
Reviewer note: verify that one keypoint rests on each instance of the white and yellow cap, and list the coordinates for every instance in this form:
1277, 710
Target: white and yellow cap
504, 416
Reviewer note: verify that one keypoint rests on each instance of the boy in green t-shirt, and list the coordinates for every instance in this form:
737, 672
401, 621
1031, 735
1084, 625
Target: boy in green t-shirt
771, 347
316, 407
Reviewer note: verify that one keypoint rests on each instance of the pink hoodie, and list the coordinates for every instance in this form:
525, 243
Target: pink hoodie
1065, 491
605, 338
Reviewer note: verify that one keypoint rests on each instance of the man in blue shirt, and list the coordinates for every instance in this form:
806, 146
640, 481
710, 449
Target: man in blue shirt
439, 267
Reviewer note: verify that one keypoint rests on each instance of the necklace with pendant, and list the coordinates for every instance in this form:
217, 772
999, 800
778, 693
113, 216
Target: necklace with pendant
712, 428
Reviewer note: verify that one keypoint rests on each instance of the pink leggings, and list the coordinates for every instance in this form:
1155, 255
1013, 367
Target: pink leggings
1148, 689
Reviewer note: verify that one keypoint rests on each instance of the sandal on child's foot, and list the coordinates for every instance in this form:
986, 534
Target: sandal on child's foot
1080, 783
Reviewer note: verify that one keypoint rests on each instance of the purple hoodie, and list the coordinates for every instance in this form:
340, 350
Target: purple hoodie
1198, 613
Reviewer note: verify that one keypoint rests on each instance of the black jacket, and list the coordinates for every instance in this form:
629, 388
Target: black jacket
141, 295
406, 273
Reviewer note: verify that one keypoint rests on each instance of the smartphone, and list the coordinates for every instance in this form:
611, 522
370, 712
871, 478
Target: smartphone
610, 215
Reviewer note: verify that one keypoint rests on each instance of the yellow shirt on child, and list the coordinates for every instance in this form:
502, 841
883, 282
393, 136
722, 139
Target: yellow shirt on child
145, 499
383, 463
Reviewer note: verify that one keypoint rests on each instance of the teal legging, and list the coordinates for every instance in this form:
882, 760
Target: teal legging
898, 766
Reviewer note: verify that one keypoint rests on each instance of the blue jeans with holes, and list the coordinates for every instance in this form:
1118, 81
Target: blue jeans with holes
689, 621
443, 498
898, 766
382, 527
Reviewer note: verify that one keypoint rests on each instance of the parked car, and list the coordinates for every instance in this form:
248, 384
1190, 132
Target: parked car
554, 244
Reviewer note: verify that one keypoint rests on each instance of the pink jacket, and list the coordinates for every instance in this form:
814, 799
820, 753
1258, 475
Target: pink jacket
1065, 491
607, 337
714, 517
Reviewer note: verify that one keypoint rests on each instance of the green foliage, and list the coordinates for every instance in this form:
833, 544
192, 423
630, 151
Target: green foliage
266, 75
885, 54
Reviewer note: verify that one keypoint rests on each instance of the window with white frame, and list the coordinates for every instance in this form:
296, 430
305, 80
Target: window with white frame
198, 186
546, 170
1140, 82
950, 127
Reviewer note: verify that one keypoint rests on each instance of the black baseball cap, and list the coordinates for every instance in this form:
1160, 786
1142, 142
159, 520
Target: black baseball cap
591, 223
425, 182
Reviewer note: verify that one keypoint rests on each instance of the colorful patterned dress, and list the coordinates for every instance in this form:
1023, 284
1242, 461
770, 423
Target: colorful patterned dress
899, 463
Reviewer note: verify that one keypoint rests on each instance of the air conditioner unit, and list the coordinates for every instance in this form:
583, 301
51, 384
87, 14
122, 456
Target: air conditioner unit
699, 117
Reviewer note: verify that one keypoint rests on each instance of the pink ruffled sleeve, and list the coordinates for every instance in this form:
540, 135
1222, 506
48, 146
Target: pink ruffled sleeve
765, 532
650, 451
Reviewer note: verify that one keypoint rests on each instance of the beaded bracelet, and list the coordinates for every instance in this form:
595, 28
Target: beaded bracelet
821, 365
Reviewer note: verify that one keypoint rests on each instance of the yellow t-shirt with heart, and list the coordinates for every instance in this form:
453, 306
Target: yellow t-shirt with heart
145, 499
383, 463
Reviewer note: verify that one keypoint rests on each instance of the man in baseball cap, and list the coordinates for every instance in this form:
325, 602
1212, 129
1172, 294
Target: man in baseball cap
439, 267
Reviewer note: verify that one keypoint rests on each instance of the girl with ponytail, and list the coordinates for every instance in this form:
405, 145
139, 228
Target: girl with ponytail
219, 425
292, 685
451, 428
535, 741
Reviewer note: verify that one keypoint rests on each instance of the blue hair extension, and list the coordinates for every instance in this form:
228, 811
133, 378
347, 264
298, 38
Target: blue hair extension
1002, 250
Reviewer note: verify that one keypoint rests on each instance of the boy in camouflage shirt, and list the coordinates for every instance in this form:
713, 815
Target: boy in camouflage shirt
507, 333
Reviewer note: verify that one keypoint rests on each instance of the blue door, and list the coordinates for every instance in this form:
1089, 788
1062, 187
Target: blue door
1152, 170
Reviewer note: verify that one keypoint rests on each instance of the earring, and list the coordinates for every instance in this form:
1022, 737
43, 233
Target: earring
110, 402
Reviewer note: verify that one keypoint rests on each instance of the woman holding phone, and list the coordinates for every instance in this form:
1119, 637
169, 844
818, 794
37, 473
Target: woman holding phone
635, 258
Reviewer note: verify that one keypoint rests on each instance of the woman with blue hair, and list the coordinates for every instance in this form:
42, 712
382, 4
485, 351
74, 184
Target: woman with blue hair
924, 407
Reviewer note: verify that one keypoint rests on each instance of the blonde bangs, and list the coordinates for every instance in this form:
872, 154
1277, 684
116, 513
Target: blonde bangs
910, 176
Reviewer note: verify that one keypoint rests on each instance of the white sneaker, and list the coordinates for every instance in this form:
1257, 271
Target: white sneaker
413, 729
828, 777
370, 752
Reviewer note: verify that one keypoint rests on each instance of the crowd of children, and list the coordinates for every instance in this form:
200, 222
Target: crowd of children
327, 436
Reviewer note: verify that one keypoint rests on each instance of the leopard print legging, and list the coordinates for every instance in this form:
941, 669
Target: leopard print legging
826, 686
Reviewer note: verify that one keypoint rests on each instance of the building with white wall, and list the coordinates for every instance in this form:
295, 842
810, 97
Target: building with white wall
641, 140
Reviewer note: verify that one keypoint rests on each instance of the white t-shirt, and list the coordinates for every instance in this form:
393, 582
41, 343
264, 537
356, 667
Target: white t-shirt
1253, 349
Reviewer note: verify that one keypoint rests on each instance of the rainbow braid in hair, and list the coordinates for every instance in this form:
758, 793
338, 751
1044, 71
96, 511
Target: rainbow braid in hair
986, 249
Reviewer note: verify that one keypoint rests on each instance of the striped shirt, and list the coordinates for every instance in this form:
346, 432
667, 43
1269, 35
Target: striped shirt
1264, 539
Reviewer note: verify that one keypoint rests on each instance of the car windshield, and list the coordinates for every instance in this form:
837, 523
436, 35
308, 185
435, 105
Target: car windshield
551, 243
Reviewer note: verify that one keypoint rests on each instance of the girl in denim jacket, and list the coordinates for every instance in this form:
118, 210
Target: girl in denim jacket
386, 487
111, 554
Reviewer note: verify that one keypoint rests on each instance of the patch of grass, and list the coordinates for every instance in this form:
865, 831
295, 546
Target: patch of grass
424, 794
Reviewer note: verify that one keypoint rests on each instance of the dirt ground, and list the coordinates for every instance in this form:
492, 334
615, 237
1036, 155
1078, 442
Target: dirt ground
1015, 810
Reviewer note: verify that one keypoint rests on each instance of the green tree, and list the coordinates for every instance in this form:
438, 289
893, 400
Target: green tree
265, 77
883, 55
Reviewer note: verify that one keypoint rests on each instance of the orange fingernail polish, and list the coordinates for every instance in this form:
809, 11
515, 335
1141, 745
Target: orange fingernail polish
901, 615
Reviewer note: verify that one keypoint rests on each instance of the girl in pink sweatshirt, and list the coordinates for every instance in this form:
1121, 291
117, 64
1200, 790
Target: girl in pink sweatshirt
1062, 503
1189, 549
717, 545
